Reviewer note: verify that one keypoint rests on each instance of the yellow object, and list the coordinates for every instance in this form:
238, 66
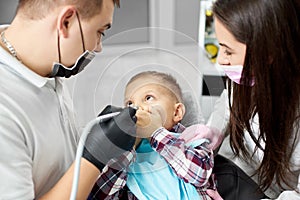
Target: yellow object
212, 51
208, 13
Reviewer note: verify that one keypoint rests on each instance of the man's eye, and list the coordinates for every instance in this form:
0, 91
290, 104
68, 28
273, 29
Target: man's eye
101, 33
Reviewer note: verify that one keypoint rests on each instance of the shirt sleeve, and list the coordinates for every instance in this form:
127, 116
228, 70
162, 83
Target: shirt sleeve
15, 161
288, 194
220, 115
193, 165
112, 178
293, 193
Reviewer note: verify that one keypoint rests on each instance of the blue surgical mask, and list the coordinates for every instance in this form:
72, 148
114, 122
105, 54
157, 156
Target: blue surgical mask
83, 60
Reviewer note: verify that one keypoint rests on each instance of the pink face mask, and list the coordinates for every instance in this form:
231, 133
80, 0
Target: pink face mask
234, 73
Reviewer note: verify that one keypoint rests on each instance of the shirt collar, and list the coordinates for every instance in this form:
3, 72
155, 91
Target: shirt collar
178, 128
21, 70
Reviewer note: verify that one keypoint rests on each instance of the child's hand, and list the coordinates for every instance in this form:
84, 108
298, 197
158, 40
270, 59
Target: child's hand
148, 121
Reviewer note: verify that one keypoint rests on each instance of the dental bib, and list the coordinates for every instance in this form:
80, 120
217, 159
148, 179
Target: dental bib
150, 177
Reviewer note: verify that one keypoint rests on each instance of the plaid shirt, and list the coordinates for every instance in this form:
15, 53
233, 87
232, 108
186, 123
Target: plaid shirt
193, 165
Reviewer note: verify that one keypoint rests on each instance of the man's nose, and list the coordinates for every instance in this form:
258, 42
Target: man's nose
98, 48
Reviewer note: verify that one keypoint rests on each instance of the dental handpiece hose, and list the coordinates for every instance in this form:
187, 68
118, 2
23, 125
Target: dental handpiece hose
107, 136
80, 148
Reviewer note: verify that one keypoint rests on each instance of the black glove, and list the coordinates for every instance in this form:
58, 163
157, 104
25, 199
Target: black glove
111, 137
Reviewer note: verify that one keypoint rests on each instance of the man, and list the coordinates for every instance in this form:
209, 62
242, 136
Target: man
37, 126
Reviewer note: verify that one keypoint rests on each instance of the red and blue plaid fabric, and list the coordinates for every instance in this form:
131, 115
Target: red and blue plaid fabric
192, 164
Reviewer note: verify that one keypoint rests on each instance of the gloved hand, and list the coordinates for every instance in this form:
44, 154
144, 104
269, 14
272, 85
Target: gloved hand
198, 131
111, 137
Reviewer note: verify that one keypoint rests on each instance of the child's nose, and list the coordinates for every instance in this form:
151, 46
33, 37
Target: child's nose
143, 107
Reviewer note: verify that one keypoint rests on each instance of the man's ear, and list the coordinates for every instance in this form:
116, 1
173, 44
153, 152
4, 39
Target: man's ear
179, 112
65, 17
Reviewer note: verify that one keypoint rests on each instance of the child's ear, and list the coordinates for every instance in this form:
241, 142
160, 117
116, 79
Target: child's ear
179, 112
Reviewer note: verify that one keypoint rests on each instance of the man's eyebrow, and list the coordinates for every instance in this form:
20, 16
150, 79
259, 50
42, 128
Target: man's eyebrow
224, 45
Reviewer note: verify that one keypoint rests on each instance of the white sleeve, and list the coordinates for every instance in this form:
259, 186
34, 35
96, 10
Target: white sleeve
288, 195
15, 160
291, 195
220, 115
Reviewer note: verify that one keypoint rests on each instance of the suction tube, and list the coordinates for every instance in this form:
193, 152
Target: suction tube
80, 148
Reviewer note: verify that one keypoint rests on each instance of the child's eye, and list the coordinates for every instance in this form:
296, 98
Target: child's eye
129, 103
149, 98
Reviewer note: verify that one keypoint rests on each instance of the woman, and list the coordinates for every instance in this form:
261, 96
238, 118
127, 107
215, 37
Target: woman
259, 42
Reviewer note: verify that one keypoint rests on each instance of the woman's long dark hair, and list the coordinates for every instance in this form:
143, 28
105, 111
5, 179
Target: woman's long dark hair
270, 29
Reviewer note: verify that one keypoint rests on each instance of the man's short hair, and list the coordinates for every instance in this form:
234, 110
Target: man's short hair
38, 9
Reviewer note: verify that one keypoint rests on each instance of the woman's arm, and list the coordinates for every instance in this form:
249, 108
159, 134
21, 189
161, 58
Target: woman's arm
220, 114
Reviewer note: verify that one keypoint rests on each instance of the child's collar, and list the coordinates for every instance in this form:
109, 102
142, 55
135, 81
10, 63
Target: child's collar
178, 128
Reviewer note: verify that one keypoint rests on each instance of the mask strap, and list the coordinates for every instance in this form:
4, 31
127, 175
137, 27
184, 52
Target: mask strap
58, 46
81, 33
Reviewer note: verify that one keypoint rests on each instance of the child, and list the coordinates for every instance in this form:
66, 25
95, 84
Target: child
167, 163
